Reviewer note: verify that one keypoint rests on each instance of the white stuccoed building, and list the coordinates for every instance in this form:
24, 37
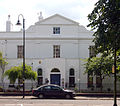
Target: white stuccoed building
55, 47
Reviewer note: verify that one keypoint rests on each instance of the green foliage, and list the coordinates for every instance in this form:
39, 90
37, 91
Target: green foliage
105, 19
3, 63
29, 74
12, 74
99, 65
16, 72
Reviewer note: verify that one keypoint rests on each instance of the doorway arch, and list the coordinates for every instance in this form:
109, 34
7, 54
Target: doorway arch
55, 70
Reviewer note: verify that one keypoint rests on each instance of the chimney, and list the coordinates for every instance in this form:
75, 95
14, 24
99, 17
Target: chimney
8, 24
40, 17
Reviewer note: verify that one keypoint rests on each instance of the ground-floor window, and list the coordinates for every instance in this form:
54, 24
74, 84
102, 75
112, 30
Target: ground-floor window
98, 82
40, 77
40, 81
71, 81
90, 80
71, 77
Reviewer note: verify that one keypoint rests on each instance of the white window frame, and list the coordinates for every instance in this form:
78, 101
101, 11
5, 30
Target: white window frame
56, 30
56, 51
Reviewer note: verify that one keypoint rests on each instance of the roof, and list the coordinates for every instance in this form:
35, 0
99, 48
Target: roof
57, 16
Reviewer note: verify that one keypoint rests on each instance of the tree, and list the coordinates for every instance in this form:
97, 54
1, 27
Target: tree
16, 72
99, 66
3, 63
102, 65
105, 20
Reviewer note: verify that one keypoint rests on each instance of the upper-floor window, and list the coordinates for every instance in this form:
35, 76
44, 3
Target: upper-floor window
92, 51
56, 51
20, 51
56, 30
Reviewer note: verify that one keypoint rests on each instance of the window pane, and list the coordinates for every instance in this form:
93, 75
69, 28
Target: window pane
71, 81
40, 81
39, 72
71, 72
90, 81
98, 82
47, 88
92, 51
20, 51
56, 51
55, 70
56, 88
56, 30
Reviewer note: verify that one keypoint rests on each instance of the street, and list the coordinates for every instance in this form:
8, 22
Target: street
33, 101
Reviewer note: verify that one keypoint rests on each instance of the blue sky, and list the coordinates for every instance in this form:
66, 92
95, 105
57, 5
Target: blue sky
76, 10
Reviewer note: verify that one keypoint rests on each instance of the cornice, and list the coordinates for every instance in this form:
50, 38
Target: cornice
47, 38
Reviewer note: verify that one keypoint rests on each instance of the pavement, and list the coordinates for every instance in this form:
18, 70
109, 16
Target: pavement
79, 96
76, 98
78, 101
18, 101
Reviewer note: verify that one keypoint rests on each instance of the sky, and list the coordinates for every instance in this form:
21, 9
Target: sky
76, 10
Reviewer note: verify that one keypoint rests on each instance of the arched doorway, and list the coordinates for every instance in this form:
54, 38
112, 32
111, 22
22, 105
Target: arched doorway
55, 76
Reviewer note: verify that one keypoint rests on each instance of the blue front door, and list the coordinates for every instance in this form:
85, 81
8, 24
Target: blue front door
55, 79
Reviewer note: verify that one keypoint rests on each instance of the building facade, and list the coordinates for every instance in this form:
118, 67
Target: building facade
55, 48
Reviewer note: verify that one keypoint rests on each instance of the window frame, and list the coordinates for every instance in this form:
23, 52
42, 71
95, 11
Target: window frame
40, 72
71, 72
56, 30
90, 80
39, 77
56, 88
56, 51
19, 51
92, 51
71, 77
98, 80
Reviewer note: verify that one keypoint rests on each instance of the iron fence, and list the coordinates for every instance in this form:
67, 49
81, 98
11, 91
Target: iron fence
82, 87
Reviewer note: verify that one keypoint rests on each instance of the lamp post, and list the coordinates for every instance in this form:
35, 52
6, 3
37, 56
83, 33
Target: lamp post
23, 74
115, 79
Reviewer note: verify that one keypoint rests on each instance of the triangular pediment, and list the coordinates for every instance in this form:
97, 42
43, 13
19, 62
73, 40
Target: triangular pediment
56, 19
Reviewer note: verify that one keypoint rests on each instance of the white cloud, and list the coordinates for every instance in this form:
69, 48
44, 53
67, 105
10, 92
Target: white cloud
73, 9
